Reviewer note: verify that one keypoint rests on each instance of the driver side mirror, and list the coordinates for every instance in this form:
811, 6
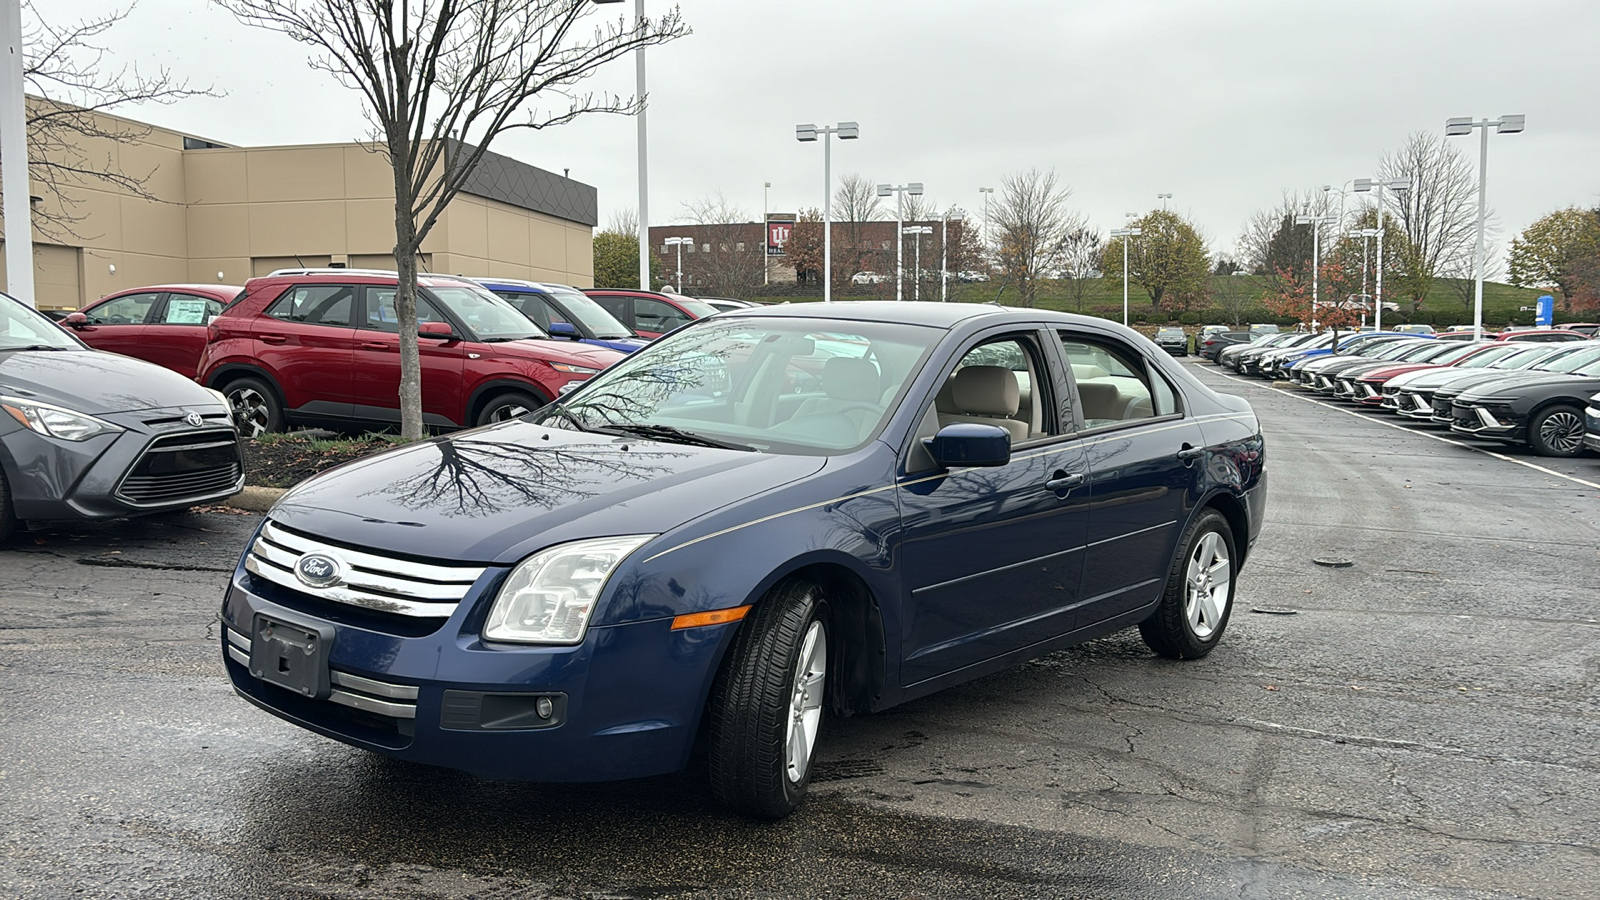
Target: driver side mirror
564, 330
970, 444
437, 330
75, 320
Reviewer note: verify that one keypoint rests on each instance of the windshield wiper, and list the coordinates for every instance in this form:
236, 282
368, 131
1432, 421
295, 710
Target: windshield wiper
39, 347
669, 433
520, 337
561, 410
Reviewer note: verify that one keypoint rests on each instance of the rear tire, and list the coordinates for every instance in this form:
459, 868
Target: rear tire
509, 406
256, 410
1557, 431
767, 703
1198, 599
8, 517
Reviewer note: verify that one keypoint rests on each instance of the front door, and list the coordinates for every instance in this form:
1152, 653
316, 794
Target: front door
1145, 455
307, 339
119, 325
992, 557
376, 381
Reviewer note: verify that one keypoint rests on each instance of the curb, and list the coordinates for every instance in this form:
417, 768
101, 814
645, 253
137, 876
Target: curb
255, 499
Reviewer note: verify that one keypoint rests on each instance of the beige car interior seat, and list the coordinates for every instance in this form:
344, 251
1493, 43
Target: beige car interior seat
982, 395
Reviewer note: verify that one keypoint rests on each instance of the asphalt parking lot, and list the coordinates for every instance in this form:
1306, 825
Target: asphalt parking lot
1421, 723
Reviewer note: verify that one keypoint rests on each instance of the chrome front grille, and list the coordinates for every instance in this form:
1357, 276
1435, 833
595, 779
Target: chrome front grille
397, 701
366, 580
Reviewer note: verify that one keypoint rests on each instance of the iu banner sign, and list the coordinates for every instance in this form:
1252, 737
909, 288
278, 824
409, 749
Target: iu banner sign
778, 230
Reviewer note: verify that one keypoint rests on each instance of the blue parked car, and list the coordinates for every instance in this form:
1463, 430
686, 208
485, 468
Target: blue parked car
565, 312
763, 518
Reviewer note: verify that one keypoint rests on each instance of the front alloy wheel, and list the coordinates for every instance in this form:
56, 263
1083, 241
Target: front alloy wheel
1557, 431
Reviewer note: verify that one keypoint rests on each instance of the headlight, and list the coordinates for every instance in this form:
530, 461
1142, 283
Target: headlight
550, 596
54, 421
221, 397
573, 370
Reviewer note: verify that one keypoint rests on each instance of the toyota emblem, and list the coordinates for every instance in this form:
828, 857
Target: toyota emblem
194, 420
318, 570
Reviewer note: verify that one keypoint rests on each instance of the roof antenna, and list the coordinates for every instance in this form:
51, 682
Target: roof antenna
298, 262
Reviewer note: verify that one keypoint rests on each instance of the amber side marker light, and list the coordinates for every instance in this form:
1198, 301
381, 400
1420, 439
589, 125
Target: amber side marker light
714, 617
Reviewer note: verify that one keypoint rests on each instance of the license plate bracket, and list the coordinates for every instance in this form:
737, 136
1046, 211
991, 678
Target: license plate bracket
292, 653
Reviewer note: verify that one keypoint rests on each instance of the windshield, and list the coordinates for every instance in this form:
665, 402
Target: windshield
1453, 353
1491, 355
489, 317
591, 314
1576, 362
1549, 359
23, 327
771, 384
1394, 350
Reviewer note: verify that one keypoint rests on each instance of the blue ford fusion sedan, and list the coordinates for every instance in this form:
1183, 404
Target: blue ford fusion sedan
767, 517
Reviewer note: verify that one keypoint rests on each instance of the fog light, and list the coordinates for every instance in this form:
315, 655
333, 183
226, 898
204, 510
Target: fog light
545, 708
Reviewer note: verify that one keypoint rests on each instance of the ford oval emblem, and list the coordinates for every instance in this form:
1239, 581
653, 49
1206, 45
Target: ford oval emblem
194, 420
318, 570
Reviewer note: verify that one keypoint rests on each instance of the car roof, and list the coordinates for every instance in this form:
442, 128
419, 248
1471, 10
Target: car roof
357, 276
229, 289
937, 315
522, 283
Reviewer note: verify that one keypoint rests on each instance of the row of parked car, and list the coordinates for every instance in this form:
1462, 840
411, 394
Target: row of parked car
1535, 388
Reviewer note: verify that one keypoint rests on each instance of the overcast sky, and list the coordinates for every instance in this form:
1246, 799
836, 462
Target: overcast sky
1225, 104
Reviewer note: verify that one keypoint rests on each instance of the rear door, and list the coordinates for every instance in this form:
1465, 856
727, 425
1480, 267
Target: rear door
1145, 457
376, 377
307, 338
178, 332
621, 308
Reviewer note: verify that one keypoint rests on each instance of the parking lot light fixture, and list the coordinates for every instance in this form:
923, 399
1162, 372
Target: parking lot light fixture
679, 242
1316, 223
1163, 198
1125, 233
1502, 125
900, 191
847, 131
1363, 185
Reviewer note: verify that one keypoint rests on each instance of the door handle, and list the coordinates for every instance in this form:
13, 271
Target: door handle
1061, 481
274, 339
375, 345
1189, 453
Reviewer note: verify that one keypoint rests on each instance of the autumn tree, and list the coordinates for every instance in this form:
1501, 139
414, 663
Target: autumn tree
1326, 302
616, 260
1168, 259
1031, 220
66, 70
441, 80
803, 249
1554, 251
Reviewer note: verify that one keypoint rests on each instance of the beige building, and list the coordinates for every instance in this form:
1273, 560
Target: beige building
224, 214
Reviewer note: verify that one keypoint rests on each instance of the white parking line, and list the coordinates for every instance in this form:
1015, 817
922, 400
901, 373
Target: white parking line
1443, 440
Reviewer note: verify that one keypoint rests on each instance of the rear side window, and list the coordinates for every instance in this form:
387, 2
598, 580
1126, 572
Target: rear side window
189, 309
1115, 384
619, 307
315, 304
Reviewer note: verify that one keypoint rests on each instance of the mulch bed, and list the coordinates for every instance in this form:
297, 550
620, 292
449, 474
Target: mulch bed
287, 460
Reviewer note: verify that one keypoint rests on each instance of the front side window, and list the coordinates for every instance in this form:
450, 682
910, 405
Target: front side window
775, 385
593, 316
1001, 382
1114, 383
382, 315
133, 309
315, 304
488, 316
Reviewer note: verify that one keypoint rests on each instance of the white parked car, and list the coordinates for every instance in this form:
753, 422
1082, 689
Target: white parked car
868, 278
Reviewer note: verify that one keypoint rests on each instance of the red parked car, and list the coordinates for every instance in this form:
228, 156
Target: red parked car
164, 324
323, 345
649, 314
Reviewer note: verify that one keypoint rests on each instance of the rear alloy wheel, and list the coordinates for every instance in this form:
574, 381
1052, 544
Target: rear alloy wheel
766, 706
506, 407
255, 406
1558, 431
1198, 599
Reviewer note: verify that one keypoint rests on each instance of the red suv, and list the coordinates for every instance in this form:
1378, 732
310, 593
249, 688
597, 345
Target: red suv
323, 345
649, 314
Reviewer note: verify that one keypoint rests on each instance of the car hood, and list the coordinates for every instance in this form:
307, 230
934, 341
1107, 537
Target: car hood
494, 495
96, 382
1428, 378
1498, 377
545, 350
623, 344
1533, 382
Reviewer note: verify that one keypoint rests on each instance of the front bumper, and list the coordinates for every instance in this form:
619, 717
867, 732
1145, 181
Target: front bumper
1485, 422
623, 704
158, 462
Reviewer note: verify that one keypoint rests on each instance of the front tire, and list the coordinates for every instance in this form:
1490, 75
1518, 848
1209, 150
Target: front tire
1557, 431
8, 516
766, 706
1198, 599
256, 410
506, 407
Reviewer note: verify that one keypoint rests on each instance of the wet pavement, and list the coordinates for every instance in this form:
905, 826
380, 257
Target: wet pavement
1423, 723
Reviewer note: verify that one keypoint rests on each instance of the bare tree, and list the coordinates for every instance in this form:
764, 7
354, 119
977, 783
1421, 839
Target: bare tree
1031, 216
1082, 256
66, 68
1268, 243
1438, 213
441, 80
732, 250
855, 203
624, 221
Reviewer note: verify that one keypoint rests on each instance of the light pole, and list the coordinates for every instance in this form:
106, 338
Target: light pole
644, 156
18, 210
1362, 186
1366, 234
900, 191
1125, 234
1502, 125
987, 193
679, 242
847, 131
1316, 223
944, 253
1164, 198
916, 281
765, 187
